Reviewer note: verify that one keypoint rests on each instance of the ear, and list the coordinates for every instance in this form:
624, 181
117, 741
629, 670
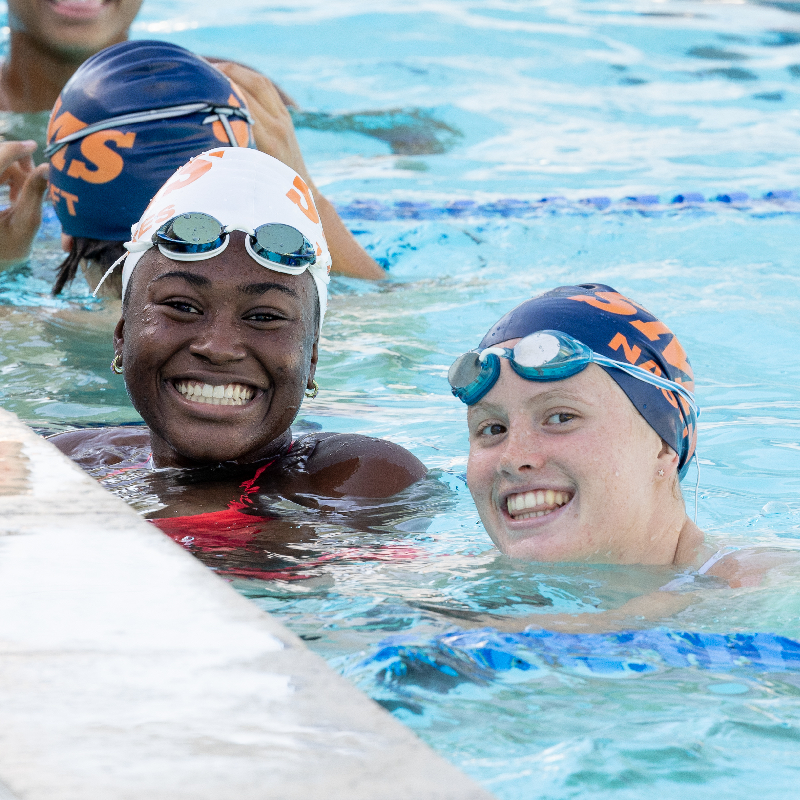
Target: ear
66, 242
119, 338
667, 459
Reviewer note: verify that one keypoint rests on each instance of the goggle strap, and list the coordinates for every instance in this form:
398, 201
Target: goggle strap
649, 377
219, 112
108, 272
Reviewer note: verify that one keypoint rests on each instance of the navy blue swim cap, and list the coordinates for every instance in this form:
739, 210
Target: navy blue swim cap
124, 122
619, 328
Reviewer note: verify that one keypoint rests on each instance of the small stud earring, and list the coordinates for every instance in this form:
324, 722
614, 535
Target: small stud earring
116, 364
313, 392
661, 473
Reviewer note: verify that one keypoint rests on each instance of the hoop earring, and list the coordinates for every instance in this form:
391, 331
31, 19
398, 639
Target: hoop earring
116, 364
313, 392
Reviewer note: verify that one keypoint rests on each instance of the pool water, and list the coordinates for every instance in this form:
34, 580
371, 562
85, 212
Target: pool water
486, 151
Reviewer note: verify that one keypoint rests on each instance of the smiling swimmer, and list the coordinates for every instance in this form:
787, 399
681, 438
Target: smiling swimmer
225, 290
581, 421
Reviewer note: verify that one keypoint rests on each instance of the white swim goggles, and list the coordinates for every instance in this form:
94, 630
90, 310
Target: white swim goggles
543, 356
195, 236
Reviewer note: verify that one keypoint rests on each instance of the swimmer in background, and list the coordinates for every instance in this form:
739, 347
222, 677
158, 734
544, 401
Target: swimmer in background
582, 422
225, 292
129, 117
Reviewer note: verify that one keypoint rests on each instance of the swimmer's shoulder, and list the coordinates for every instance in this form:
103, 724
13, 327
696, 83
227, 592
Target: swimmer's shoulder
347, 464
99, 446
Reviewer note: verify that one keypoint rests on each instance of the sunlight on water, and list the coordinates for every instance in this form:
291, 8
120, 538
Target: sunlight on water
437, 128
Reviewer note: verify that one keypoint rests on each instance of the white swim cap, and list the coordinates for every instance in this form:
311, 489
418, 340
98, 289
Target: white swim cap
242, 189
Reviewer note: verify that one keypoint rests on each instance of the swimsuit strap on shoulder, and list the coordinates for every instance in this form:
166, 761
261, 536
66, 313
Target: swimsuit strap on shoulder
718, 556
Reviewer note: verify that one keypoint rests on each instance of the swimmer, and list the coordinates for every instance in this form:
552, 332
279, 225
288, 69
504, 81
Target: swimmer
26, 187
49, 41
130, 116
582, 422
224, 294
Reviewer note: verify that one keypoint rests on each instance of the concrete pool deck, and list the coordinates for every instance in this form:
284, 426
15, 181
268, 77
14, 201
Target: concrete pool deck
129, 670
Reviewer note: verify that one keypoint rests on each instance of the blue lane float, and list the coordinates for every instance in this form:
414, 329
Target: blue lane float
781, 201
479, 656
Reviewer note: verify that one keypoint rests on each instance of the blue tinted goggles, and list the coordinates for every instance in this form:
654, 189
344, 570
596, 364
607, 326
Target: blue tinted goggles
543, 356
195, 236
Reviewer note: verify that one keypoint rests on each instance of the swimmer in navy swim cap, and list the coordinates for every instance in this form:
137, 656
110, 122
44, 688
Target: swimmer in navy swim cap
130, 116
582, 420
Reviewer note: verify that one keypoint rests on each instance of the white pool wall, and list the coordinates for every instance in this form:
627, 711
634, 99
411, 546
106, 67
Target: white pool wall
128, 670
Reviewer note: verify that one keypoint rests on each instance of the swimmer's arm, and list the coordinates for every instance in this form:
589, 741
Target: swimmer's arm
345, 465
20, 221
641, 612
286, 99
747, 568
274, 134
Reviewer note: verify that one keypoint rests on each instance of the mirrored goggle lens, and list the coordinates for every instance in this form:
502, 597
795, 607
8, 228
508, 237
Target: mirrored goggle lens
283, 244
464, 371
190, 233
538, 350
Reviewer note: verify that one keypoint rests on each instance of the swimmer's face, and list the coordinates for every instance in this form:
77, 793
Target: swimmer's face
568, 471
73, 29
194, 330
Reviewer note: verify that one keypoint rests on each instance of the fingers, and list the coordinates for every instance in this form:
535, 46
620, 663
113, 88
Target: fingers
12, 152
19, 222
28, 208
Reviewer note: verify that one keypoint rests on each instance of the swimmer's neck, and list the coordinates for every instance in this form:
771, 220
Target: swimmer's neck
32, 76
166, 456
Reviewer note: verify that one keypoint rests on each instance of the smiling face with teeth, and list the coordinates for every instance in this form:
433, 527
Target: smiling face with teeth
568, 470
217, 354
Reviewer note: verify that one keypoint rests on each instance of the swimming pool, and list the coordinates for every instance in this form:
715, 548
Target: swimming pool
572, 101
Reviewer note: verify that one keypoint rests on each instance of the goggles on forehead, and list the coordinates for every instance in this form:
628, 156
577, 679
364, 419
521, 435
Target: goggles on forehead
195, 236
543, 356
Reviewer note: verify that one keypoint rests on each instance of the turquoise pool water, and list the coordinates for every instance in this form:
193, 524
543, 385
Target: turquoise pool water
438, 128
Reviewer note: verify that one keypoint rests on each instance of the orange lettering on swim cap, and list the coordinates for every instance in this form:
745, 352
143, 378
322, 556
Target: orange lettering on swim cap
70, 199
108, 163
613, 302
631, 353
675, 355
59, 127
185, 176
652, 330
241, 130
308, 208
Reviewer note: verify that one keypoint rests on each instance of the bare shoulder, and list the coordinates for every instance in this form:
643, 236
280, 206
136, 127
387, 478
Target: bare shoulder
749, 566
360, 466
96, 446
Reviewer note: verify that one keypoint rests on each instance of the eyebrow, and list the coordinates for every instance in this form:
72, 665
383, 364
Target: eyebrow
263, 288
189, 277
248, 289
547, 397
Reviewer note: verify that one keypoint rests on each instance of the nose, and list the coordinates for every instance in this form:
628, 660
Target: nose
219, 342
523, 450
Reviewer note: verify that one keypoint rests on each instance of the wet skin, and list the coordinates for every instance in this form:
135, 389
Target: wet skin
228, 321
583, 440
